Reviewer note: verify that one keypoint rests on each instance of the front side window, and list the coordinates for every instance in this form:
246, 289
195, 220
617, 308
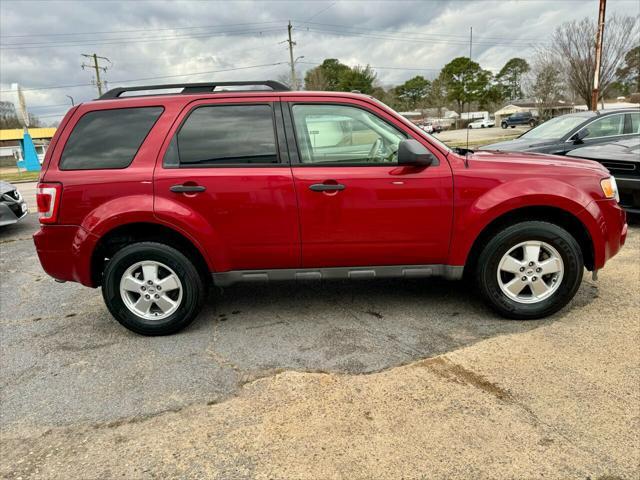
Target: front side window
108, 139
223, 135
339, 134
608, 126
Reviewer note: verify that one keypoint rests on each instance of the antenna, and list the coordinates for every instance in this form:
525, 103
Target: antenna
466, 153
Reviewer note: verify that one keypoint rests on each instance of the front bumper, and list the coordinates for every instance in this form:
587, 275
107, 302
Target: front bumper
65, 252
629, 189
607, 224
11, 212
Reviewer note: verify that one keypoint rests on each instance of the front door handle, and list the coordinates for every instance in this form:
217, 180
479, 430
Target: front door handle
187, 188
326, 187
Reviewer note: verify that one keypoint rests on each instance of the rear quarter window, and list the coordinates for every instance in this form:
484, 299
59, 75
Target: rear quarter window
108, 139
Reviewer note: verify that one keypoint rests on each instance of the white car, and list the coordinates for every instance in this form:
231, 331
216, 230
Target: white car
483, 123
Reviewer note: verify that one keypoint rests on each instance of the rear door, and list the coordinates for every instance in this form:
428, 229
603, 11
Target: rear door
225, 178
357, 206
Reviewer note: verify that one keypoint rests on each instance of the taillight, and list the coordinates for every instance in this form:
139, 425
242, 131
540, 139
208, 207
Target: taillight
48, 200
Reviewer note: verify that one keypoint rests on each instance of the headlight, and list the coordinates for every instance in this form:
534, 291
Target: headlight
609, 188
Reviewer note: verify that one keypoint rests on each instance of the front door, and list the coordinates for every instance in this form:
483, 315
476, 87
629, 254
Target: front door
225, 179
357, 206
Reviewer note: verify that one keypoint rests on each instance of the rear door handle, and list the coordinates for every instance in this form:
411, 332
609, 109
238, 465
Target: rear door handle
326, 187
187, 188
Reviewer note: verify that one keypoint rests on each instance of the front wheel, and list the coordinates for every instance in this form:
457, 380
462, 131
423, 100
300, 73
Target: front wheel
152, 288
530, 270
503, 125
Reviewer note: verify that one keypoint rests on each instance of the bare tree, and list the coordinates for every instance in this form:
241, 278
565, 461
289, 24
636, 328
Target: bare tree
573, 44
545, 83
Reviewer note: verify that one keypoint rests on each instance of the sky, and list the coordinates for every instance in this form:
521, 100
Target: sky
157, 42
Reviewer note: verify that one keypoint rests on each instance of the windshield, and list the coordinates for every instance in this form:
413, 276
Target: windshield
556, 127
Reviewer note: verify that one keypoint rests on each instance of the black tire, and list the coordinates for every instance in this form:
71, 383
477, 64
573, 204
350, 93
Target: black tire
193, 293
513, 126
503, 125
502, 242
532, 124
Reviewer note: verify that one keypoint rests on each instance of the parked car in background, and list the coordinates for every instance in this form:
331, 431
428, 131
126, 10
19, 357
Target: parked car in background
12, 205
622, 159
156, 197
568, 132
483, 123
431, 127
518, 118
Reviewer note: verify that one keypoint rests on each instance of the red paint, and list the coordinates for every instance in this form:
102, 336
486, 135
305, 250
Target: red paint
267, 217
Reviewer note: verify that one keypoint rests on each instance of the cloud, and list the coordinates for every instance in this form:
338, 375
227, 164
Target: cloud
164, 38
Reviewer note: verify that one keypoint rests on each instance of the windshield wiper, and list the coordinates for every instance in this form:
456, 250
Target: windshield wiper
462, 151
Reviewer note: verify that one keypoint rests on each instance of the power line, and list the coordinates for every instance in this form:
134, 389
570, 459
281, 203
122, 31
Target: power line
382, 36
417, 69
136, 30
320, 12
420, 34
132, 40
153, 78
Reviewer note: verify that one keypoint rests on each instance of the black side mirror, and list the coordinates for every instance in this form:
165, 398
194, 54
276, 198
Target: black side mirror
578, 136
411, 153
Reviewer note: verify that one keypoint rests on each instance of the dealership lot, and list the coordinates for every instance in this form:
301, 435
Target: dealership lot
318, 380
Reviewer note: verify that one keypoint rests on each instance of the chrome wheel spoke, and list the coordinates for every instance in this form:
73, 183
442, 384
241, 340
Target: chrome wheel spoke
532, 251
516, 286
164, 303
132, 284
511, 264
552, 265
539, 288
143, 305
168, 283
150, 272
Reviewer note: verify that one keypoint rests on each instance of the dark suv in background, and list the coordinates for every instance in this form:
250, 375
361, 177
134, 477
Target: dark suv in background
518, 118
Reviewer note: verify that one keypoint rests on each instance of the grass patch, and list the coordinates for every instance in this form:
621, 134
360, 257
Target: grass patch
478, 143
19, 176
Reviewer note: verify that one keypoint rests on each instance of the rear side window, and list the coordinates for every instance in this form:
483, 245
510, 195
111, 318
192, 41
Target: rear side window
108, 139
225, 135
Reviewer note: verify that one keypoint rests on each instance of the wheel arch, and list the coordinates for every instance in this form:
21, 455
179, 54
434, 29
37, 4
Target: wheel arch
122, 235
555, 215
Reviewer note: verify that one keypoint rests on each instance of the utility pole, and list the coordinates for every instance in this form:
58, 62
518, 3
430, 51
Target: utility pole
596, 73
293, 65
97, 67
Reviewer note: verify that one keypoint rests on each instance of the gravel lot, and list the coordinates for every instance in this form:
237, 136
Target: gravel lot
384, 379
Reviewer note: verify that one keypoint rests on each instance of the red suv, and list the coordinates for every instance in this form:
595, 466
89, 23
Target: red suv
153, 196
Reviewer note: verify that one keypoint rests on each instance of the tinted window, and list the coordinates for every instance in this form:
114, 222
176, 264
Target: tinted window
343, 134
608, 126
227, 134
108, 138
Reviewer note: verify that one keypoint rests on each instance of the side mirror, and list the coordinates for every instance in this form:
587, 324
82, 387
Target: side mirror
578, 136
412, 153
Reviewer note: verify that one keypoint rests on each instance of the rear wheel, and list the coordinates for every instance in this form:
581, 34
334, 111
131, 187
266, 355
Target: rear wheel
152, 288
503, 125
530, 270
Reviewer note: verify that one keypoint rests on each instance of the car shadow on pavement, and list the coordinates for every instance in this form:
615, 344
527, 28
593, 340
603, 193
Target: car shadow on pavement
349, 326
